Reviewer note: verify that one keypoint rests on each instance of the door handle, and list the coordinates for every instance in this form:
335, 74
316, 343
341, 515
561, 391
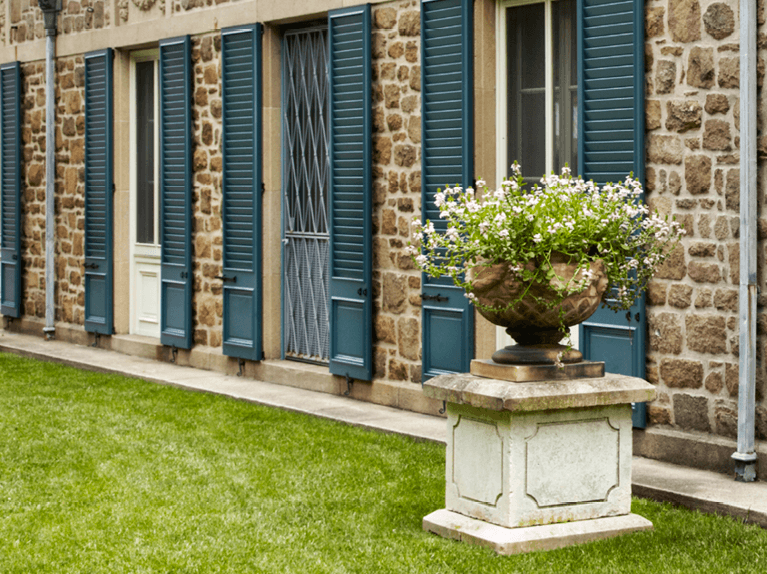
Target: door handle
224, 278
90, 265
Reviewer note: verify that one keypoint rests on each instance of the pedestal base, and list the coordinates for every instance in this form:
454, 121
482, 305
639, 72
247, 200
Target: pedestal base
532, 373
531, 538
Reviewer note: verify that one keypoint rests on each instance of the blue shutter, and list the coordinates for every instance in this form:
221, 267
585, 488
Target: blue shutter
610, 145
98, 192
447, 150
10, 190
351, 293
175, 193
241, 189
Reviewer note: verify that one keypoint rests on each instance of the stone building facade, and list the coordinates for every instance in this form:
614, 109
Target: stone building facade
692, 173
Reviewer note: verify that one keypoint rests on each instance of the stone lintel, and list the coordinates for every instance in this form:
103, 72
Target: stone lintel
530, 538
497, 395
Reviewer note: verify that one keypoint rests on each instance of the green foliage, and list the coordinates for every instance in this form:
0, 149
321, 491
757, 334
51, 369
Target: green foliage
564, 215
104, 474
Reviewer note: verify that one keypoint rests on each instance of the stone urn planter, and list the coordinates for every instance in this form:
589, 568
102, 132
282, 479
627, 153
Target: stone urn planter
536, 317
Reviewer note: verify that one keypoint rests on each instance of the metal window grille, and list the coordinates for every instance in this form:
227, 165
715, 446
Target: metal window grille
305, 194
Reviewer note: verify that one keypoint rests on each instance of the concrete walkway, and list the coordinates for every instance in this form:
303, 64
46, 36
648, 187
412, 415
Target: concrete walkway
692, 488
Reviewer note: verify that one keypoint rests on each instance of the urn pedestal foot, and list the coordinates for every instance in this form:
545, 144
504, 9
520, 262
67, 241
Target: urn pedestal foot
507, 541
531, 465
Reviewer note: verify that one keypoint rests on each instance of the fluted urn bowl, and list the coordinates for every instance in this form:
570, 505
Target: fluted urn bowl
534, 321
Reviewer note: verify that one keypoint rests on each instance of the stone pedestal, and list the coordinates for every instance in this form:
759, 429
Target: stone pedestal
537, 465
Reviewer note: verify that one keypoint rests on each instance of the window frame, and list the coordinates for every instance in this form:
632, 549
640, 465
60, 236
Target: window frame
138, 57
502, 143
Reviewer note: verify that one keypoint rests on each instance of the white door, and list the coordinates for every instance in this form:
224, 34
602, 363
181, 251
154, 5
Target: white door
145, 236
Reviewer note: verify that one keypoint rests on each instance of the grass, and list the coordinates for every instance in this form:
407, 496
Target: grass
105, 474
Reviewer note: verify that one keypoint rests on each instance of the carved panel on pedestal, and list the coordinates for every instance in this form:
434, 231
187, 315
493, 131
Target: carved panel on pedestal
477, 461
572, 462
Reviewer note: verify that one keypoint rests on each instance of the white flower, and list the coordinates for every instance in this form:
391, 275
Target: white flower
537, 238
481, 183
503, 233
421, 260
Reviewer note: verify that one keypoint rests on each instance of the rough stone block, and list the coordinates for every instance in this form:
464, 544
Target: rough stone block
719, 20
700, 67
682, 116
665, 333
680, 296
681, 373
684, 20
691, 413
706, 333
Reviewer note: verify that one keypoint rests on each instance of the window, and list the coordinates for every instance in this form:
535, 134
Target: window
146, 192
538, 58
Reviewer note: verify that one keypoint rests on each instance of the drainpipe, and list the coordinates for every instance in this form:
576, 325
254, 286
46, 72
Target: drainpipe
745, 457
50, 9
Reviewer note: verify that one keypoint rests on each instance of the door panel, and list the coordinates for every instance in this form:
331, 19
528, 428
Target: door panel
241, 189
175, 193
98, 193
447, 159
10, 190
611, 116
351, 269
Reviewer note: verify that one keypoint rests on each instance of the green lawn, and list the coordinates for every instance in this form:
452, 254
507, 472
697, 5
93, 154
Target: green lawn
105, 474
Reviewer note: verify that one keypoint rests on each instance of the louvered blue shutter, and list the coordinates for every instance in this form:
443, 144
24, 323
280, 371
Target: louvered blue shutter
610, 145
241, 189
351, 293
98, 192
447, 160
10, 233
175, 193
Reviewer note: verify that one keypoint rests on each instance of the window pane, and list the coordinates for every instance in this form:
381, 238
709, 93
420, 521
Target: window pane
565, 110
526, 104
145, 152
532, 152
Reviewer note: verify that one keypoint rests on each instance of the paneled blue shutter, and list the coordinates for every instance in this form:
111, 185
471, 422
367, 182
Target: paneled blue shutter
175, 193
10, 190
610, 145
351, 292
98, 192
241, 188
447, 160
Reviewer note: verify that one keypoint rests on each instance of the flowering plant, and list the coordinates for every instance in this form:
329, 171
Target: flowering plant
563, 215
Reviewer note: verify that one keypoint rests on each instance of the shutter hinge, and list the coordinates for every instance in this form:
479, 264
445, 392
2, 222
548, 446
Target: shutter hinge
114, 188
263, 188
262, 30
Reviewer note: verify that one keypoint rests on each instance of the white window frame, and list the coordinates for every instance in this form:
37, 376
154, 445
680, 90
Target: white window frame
501, 102
143, 253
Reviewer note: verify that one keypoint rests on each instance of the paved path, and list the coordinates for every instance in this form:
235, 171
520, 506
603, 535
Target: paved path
699, 489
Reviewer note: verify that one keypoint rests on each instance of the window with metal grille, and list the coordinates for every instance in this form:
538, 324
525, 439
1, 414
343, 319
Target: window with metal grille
305, 194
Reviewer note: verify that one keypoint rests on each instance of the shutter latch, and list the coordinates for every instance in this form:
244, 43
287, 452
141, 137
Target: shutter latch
436, 297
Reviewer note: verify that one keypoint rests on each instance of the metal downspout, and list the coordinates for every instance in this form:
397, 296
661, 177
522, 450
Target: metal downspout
50, 175
745, 457
50, 10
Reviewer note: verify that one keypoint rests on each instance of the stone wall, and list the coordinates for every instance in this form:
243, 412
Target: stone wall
33, 189
397, 189
26, 19
207, 238
692, 122
187, 5
70, 192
